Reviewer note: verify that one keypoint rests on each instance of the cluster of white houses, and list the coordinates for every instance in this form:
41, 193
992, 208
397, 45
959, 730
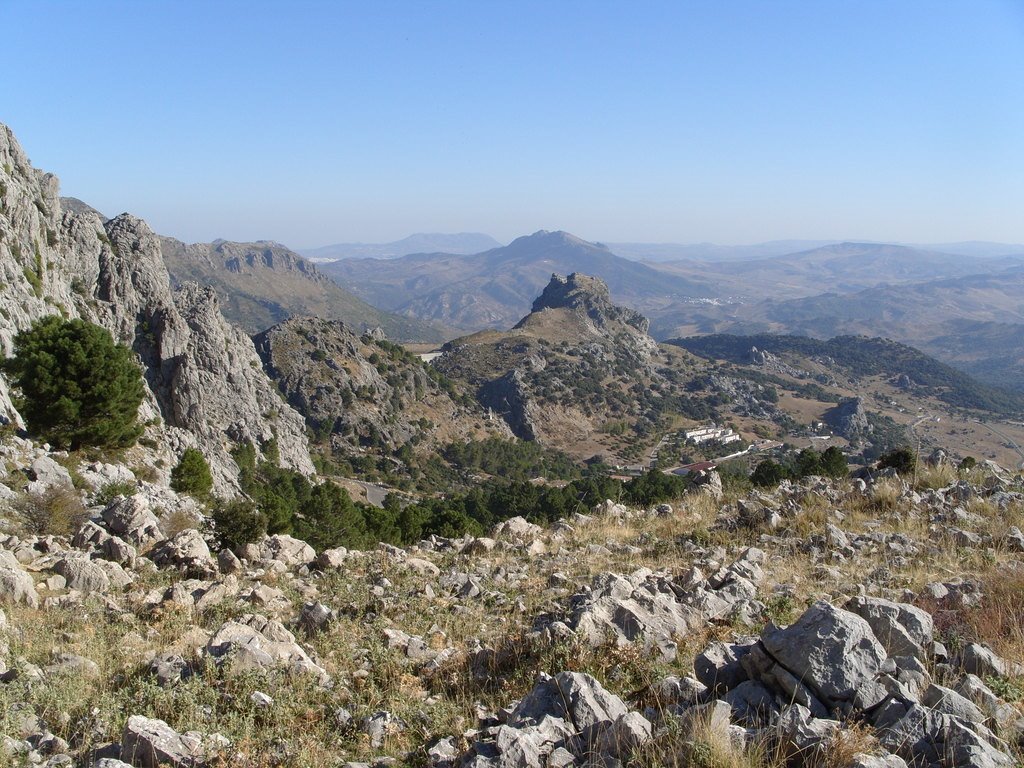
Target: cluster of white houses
707, 434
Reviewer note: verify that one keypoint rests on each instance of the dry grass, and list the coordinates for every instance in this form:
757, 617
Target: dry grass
58, 511
301, 728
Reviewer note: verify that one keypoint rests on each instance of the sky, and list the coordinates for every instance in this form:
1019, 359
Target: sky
721, 121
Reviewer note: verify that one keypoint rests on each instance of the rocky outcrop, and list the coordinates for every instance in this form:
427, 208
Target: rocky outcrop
563, 718
557, 374
834, 662
850, 419
657, 610
509, 397
206, 386
589, 296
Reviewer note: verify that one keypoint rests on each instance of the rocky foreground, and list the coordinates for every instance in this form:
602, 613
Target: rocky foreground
854, 623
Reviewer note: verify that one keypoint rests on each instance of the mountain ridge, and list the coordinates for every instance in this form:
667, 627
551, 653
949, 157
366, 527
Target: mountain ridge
263, 283
496, 288
420, 242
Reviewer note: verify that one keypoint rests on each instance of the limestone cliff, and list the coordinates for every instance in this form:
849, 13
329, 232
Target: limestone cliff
207, 388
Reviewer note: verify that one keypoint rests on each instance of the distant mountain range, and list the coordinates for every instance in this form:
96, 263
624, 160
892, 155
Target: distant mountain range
461, 243
467, 243
836, 268
961, 302
495, 288
964, 304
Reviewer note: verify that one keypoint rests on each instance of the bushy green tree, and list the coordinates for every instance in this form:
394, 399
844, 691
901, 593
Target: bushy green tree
238, 522
192, 474
808, 462
833, 463
77, 386
903, 460
768, 474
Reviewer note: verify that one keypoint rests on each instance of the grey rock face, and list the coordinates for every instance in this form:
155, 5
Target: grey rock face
833, 652
351, 388
286, 549
589, 296
204, 377
571, 696
82, 574
258, 643
132, 519
653, 609
509, 395
17, 586
46, 473
903, 629
564, 718
979, 660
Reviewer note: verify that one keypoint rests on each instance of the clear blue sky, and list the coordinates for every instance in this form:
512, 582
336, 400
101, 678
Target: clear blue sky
723, 121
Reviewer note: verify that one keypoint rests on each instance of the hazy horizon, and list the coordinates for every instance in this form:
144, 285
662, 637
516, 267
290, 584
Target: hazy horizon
727, 123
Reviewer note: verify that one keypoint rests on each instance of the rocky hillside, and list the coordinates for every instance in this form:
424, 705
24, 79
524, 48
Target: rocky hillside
860, 356
264, 283
576, 363
363, 393
846, 624
206, 385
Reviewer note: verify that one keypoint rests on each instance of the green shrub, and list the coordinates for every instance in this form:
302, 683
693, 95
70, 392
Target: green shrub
192, 474
238, 522
768, 474
111, 491
77, 387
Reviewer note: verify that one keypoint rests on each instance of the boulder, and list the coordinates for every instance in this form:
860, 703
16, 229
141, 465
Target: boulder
82, 574
654, 608
286, 549
903, 630
834, 653
332, 558
315, 616
718, 666
571, 696
255, 642
131, 518
187, 551
228, 562
977, 659
150, 743
517, 529
46, 473
17, 586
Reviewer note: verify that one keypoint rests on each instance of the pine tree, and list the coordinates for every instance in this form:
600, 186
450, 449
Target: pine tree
192, 474
77, 386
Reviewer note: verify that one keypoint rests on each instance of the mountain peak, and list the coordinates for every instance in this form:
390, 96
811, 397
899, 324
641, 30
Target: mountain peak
575, 290
588, 299
556, 238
